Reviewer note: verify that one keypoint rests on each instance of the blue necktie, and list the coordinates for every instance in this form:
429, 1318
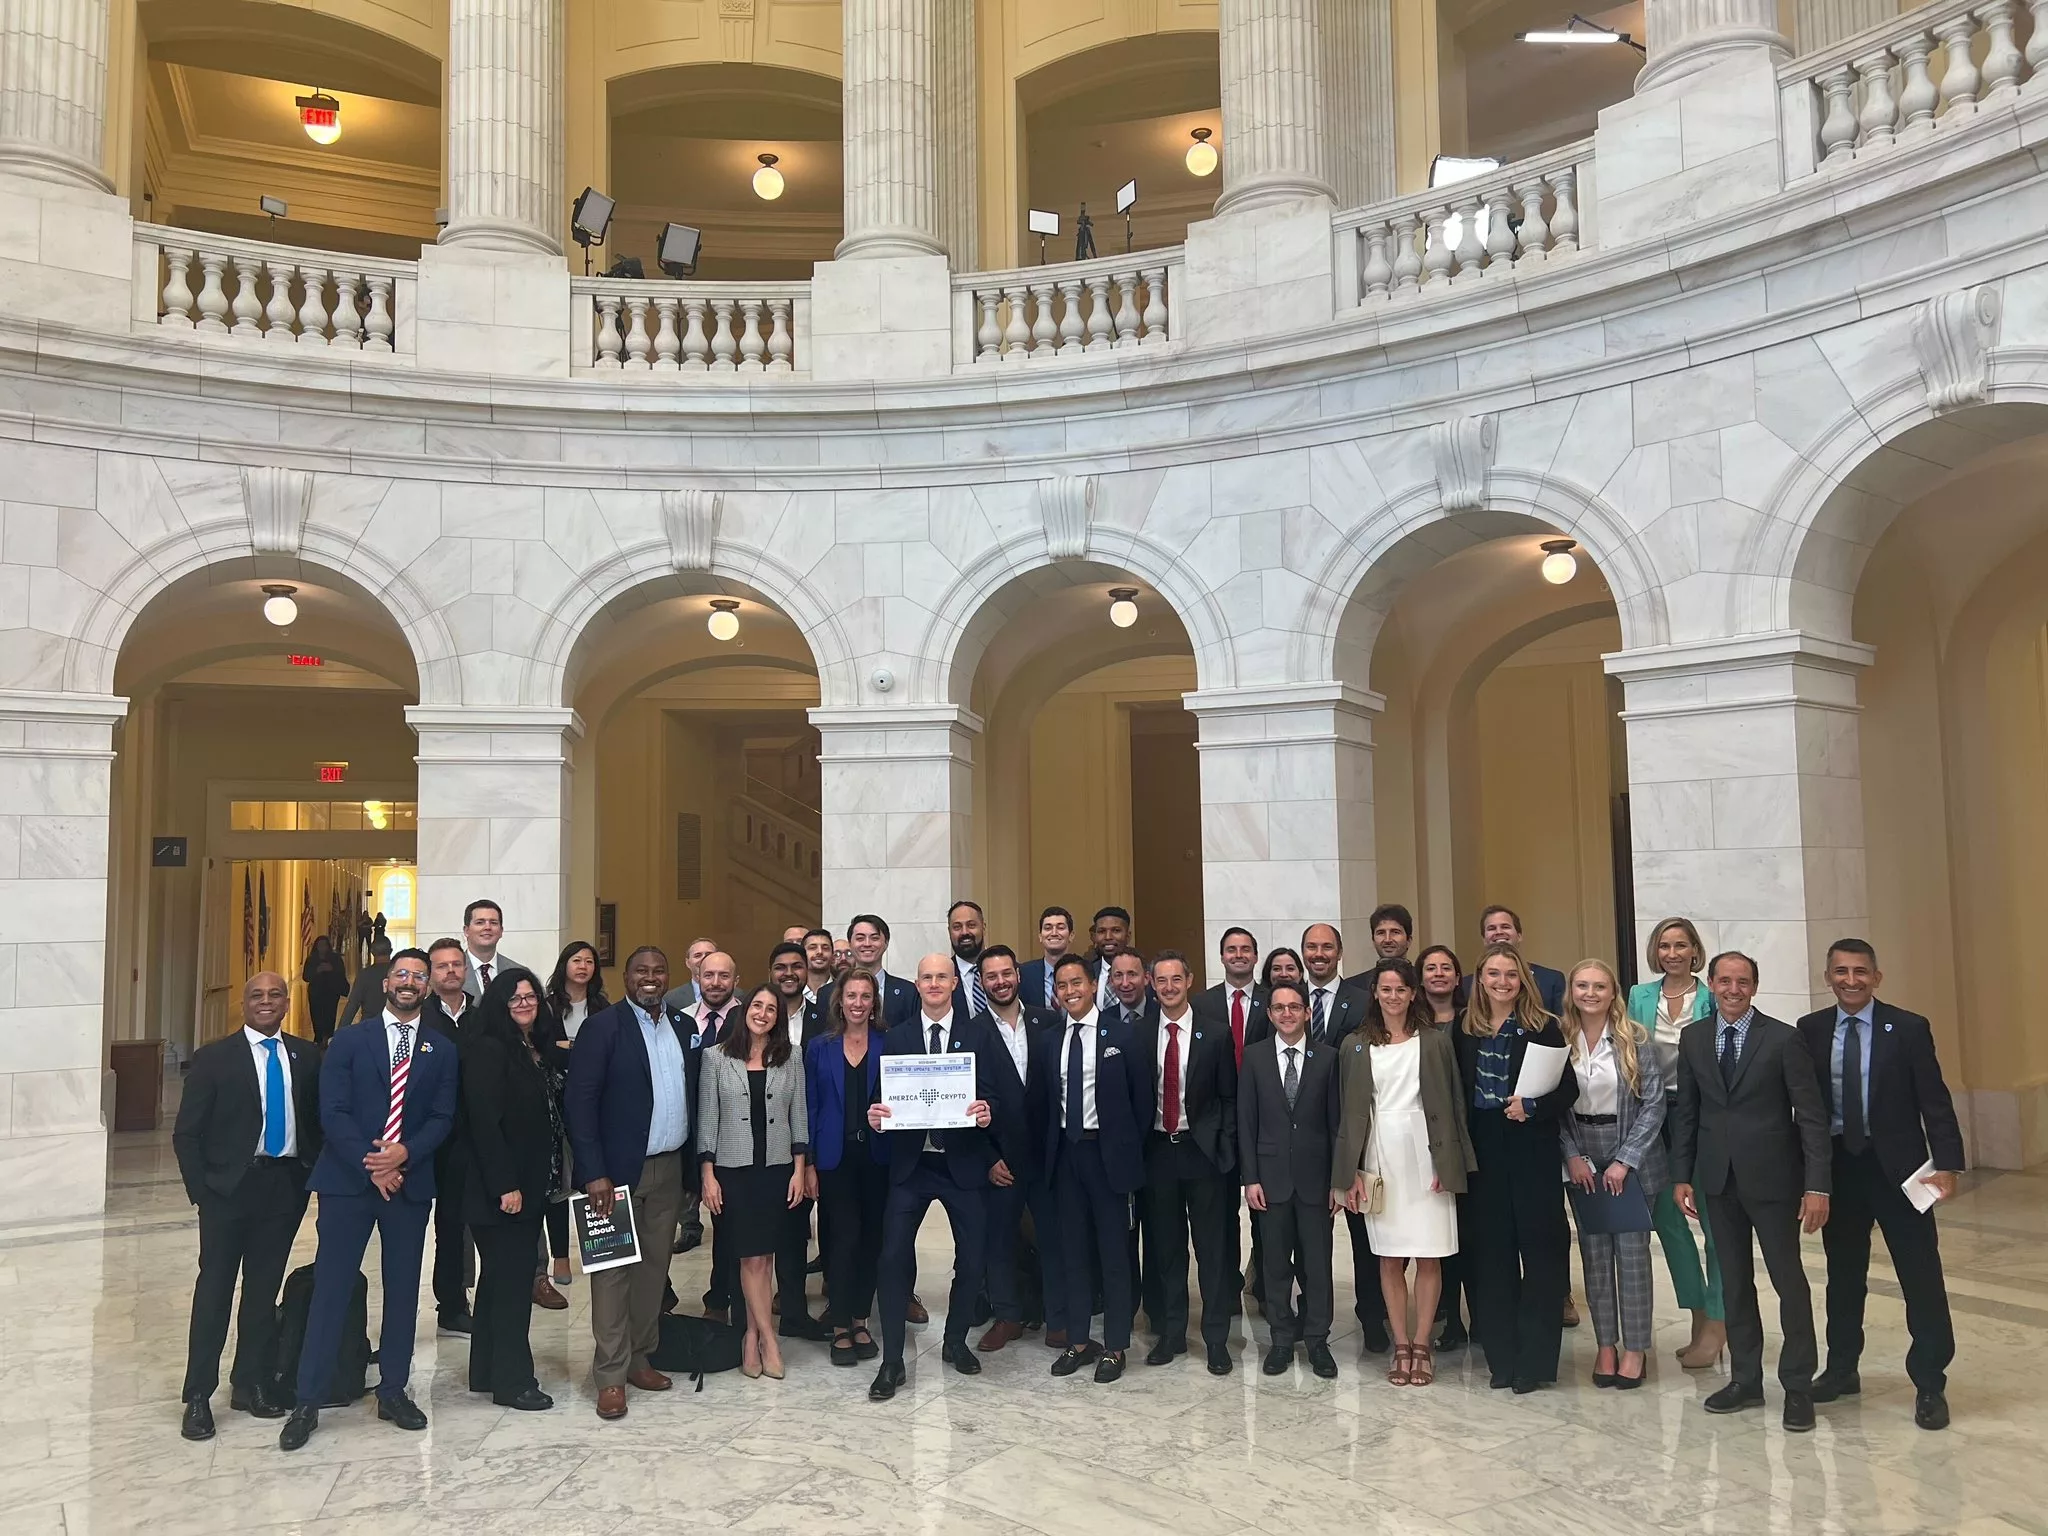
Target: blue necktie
1048, 984
1076, 1109
273, 1102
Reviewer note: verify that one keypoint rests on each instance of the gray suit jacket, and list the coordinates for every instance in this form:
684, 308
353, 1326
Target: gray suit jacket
724, 1134
1640, 1117
503, 962
1766, 1134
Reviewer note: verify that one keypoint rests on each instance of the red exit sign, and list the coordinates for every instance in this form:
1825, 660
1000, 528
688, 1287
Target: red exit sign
333, 773
299, 659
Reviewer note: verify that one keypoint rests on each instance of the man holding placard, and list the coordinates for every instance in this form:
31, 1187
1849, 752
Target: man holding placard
939, 1149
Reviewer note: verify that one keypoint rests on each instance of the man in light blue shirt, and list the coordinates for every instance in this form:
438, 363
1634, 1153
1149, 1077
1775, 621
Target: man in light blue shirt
1860, 1019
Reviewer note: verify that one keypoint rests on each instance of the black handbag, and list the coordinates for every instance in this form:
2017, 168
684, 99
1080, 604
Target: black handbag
696, 1347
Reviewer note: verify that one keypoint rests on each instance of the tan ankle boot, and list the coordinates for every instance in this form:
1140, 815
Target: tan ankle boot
1699, 1324
1705, 1351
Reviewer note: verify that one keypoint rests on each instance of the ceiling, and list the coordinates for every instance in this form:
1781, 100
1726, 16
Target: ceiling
1520, 99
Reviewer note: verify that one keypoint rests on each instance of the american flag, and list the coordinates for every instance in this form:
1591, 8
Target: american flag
262, 913
248, 924
306, 918
401, 1069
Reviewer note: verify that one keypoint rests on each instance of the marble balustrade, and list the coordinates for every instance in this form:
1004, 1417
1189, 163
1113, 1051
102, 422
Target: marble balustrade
252, 291
1066, 309
646, 326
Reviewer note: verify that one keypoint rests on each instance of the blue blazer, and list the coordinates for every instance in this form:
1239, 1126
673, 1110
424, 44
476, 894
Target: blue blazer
1123, 1099
825, 1089
969, 1154
609, 1098
1031, 985
355, 1096
899, 1003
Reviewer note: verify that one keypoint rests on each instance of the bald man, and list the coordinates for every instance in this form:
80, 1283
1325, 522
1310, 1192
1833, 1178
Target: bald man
247, 1133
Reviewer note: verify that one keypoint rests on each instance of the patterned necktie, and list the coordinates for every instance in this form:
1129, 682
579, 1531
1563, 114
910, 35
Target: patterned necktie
1728, 1057
1076, 1104
1315, 1022
273, 1101
401, 1069
1169, 1082
1048, 983
938, 1044
977, 1000
1291, 1083
1854, 1136
1237, 1025
483, 970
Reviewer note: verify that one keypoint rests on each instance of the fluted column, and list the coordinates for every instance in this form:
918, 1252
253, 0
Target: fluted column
1686, 36
505, 125
889, 120
53, 90
1821, 24
1273, 116
1359, 100
956, 104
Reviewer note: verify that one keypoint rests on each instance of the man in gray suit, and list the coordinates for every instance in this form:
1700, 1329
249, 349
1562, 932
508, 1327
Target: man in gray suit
483, 924
1751, 1134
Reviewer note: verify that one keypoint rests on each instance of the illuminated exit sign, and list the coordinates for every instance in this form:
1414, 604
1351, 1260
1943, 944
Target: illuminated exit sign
299, 659
332, 773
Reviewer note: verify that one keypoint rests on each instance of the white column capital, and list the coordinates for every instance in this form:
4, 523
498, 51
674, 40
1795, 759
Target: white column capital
1740, 672
495, 719
1290, 712
897, 731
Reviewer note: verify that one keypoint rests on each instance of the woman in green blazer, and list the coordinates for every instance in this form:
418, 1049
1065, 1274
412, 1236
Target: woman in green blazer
1664, 1006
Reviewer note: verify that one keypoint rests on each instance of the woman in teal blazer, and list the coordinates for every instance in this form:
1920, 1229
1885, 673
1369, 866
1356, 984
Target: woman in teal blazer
1664, 1006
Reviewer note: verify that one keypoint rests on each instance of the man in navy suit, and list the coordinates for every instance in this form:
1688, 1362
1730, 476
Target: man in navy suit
631, 1105
1500, 925
868, 935
967, 931
951, 1167
1097, 1109
1055, 935
387, 1103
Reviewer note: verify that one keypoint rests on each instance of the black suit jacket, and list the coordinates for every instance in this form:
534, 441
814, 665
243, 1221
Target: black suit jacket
1910, 1108
1288, 1151
1210, 1088
1214, 1006
220, 1117
899, 1002
1349, 1008
1768, 1130
1123, 1099
1019, 1105
506, 1132
969, 1153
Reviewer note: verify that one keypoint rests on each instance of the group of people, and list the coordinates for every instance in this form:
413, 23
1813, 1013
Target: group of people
1121, 1121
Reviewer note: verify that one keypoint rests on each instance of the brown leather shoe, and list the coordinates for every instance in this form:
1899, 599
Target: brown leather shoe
545, 1295
1055, 1338
1571, 1311
648, 1380
611, 1402
1000, 1332
915, 1312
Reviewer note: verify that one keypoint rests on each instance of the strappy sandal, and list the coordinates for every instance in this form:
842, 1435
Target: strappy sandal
1398, 1367
1421, 1366
843, 1352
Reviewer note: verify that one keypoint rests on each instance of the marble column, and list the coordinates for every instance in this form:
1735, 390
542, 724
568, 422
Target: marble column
1745, 799
1287, 815
956, 112
896, 788
53, 90
56, 766
1686, 36
1819, 24
1359, 98
505, 132
494, 819
1273, 117
888, 127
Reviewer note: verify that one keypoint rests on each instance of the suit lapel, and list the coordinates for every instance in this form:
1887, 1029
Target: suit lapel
1752, 1043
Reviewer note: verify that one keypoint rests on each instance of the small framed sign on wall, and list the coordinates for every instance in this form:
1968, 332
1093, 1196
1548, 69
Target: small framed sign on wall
607, 932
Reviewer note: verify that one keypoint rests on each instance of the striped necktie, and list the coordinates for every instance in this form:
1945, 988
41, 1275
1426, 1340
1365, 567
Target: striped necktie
401, 1069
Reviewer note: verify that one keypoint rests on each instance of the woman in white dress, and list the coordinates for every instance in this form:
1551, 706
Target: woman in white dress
1402, 1155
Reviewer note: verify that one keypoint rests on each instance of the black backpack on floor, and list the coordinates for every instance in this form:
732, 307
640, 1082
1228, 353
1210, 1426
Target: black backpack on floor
696, 1347
352, 1364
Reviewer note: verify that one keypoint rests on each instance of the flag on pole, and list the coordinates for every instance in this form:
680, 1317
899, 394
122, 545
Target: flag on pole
306, 929
248, 924
262, 914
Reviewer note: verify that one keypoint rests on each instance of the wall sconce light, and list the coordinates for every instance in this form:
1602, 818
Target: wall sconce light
279, 606
320, 116
1201, 154
1123, 606
724, 622
767, 180
1559, 564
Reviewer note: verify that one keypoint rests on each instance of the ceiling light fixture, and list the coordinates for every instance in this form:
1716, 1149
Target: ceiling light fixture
1560, 565
724, 622
320, 116
1579, 30
767, 180
279, 606
1123, 606
1201, 154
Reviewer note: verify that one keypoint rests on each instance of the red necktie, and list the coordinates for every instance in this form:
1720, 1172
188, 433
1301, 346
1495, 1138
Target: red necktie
1169, 1111
1237, 1025
401, 1069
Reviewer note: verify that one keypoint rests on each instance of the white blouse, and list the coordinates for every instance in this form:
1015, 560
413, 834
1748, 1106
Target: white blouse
1671, 1021
1599, 1077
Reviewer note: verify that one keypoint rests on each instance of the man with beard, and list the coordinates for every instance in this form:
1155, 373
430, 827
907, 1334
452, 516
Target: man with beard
705, 1021
967, 929
819, 971
801, 1021
1110, 933
452, 1012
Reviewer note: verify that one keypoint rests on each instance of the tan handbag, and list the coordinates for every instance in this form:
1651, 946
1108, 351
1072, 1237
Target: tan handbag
1375, 1202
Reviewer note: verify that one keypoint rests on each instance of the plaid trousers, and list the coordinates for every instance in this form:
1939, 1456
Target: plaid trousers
1619, 1287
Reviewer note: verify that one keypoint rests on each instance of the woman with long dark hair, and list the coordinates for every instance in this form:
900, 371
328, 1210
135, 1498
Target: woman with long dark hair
753, 1138
849, 1173
326, 979
511, 1132
575, 992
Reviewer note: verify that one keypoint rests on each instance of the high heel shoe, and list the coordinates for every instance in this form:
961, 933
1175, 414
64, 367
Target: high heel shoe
1705, 1352
749, 1352
772, 1372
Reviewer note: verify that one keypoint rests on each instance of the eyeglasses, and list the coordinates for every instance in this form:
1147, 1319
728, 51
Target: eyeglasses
408, 975
523, 1001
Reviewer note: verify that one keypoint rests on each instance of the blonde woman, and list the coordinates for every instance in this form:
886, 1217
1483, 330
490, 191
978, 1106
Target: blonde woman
1611, 1131
1664, 1005
1520, 1249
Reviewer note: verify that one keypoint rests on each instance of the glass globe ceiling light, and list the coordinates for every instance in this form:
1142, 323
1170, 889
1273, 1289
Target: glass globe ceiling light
278, 604
724, 622
320, 116
767, 180
1123, 606
1559, 564
1201, 155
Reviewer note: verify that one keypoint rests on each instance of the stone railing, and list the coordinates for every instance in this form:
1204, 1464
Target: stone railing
1903, 82
1066, 310
634, 325
1521, 216
251, 291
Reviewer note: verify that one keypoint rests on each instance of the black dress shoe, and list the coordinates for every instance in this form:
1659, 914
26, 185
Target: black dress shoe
961, 1358
532, 1400
198, 1424
1524, 1385
1628, 1383
886, 1381
1733, 1398
689, 1238
1074, 1356
257, 1404
298, 1429
801, 1327
1798, 1412
455, 1322
1500, 1383
816, 1266
402, 1411
1373, 1334
1110, 1366
1321, 1361
1279, 1360
1831, 1384
1164, 1351
1219, 1360
1604, 1378
1452, 1337
1930, 1410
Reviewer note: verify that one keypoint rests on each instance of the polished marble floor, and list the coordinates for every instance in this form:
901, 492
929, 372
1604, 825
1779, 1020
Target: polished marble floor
92, 1327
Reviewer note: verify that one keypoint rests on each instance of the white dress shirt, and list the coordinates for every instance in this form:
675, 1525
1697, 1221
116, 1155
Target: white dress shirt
1184, 1026
412, 1026
1090, 1121
1016, 1040
259, 1047
1599, 1077
1300, 1047
1327, 991
925, 1025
